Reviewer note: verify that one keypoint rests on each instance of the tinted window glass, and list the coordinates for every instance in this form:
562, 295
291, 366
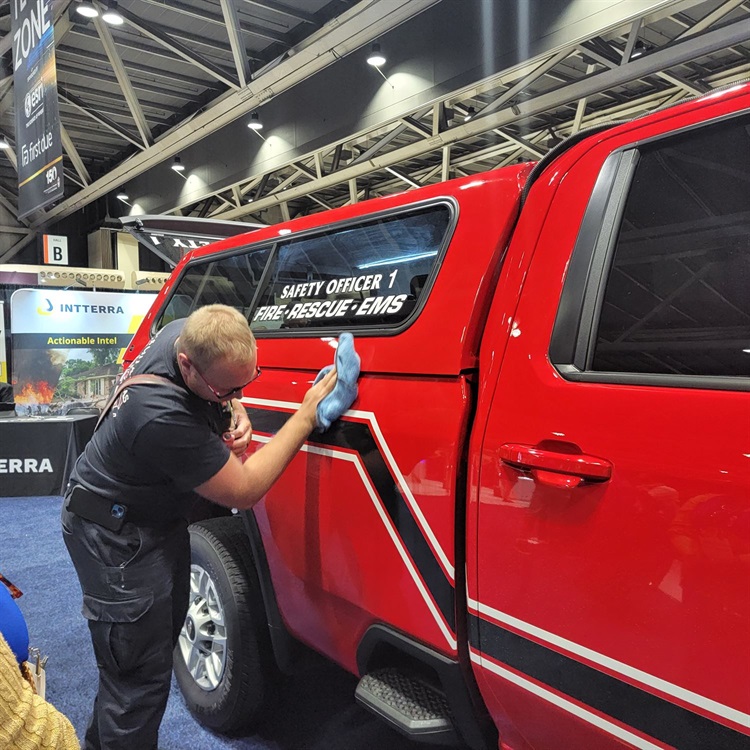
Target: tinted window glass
677, 299
367, 275
229, 281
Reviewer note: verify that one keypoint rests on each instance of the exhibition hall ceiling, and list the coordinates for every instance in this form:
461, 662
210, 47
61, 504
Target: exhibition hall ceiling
184, 78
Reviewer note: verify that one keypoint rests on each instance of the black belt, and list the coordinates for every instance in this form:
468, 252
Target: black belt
112, 514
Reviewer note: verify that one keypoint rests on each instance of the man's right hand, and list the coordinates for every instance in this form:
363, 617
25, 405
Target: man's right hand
316, 394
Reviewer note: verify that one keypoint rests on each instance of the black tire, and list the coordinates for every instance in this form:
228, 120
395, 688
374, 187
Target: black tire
223, 660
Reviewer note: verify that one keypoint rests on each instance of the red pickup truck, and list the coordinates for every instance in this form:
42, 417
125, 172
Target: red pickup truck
532, 529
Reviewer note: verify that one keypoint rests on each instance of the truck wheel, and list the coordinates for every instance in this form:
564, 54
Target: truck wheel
223, 659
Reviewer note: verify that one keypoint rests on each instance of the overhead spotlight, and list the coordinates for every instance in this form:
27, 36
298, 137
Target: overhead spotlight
177, 165
123, 197
4, 142
515, 109
111, 15
255, 123
638, 49
87, 10
376, 57
470, 112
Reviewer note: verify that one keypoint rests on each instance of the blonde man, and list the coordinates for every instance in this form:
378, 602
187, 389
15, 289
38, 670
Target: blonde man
124, 519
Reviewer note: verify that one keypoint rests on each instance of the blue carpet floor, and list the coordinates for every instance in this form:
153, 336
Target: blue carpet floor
316, 711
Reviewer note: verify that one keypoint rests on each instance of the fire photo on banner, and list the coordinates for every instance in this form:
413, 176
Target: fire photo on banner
67, 346
38, 141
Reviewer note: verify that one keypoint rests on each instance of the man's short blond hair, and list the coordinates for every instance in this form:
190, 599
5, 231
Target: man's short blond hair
216, 333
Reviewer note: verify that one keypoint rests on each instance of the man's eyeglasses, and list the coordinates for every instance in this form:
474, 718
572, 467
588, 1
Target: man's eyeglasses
231, 392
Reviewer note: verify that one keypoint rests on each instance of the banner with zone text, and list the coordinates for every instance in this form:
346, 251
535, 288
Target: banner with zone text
67, 346
38, 136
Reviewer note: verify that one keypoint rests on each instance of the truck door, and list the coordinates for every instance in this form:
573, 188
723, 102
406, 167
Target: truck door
612, 598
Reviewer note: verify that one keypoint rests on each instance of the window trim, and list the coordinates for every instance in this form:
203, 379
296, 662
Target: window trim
571, 348
374, 330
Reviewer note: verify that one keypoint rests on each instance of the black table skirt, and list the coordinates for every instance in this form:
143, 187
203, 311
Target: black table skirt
37, 454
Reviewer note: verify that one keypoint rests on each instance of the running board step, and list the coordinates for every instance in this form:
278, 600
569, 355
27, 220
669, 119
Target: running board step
414, 708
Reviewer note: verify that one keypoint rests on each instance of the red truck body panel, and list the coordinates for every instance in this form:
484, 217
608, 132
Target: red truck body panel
605, 612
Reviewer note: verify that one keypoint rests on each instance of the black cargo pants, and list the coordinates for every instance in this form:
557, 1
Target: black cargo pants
136, 584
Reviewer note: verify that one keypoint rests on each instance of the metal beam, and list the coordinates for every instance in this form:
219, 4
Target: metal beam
178, 48
124, 81
709, 20
18, 246
74, 156
296, 13
354, 28
203, 15
164, 91
519, 86
239, 53
643, 66
65, 51
100, 118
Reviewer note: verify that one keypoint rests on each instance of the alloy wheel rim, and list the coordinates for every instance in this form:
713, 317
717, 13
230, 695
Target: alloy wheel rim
203, 639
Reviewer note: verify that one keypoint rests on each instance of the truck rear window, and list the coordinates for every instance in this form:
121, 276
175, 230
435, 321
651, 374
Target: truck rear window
352, 276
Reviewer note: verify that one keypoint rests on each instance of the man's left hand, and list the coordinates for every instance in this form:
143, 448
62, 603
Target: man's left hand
238, 439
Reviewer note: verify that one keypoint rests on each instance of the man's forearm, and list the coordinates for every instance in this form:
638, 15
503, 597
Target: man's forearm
265, 466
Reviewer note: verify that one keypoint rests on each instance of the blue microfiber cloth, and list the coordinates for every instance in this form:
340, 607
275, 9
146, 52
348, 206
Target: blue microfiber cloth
345, 391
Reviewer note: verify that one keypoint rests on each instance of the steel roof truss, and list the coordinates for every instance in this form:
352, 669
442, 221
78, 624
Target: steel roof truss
239, 53
124, 80
74, 156
98, 116
178, 48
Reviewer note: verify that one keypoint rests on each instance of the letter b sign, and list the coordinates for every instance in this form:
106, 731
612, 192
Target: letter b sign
56, 249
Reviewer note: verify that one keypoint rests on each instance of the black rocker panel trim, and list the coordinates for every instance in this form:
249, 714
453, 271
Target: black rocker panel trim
358, 437
672, 724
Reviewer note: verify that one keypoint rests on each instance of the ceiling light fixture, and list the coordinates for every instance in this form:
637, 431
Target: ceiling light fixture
87, 10
376, 57
255, 123
123, 197
470, 112
111, 15
177, 165
639, 49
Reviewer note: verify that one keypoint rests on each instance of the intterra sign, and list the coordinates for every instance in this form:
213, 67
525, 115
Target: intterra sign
66, 344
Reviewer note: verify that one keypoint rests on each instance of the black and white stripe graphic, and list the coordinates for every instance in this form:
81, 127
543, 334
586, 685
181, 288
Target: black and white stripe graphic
358, 438
570, 684
661, 719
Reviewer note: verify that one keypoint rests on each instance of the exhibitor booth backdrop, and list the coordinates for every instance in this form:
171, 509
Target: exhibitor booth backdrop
67, 349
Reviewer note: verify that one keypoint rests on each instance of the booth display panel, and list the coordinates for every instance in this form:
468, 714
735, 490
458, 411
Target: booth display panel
37, 454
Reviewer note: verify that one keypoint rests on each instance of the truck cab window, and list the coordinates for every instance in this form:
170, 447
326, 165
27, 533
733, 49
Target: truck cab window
229, 281
676, 300
364, 276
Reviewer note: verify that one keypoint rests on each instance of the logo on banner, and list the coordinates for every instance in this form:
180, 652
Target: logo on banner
25, 466
49, 309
